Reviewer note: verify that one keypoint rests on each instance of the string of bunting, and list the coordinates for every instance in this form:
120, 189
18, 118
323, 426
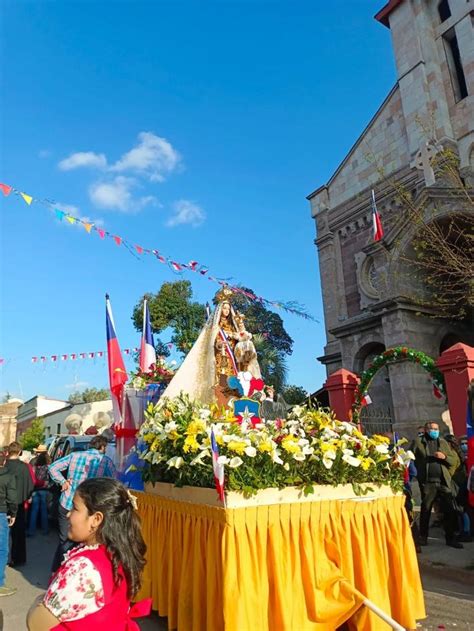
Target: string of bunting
62, 357
135, 249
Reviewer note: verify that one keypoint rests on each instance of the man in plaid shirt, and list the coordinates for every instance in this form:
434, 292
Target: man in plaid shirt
79, 465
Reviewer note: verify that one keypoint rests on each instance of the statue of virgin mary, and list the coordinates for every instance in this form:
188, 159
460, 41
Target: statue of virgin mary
211, 360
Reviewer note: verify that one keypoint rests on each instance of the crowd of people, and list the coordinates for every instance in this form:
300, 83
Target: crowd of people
97, 566
96, 570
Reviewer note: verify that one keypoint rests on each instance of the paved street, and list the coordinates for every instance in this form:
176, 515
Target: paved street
448, 601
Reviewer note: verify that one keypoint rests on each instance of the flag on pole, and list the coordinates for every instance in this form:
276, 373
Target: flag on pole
117, 372
147, 350
218, 468
376, 221
470, 441
228, 349
366, 400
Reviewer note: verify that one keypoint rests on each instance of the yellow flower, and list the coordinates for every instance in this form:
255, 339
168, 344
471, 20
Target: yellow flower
155, 444
366, 463
195, 427
173, 435
290, 444
237, 445
148, 437
190, 444
265, 446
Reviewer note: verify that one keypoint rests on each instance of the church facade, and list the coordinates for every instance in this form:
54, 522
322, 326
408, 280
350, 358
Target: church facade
365, 306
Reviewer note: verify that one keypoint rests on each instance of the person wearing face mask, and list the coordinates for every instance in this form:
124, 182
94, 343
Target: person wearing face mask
436, 462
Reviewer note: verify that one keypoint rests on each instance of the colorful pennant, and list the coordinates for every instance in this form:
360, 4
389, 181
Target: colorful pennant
193, 266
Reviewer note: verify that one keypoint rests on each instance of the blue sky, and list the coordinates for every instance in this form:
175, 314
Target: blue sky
196, 128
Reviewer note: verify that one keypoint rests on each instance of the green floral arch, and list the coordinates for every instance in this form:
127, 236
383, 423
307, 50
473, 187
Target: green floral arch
392, 355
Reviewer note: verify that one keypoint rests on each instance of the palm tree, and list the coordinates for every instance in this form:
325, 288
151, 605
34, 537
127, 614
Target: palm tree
272, 362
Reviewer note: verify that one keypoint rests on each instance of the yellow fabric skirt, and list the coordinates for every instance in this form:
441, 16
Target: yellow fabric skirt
281, 567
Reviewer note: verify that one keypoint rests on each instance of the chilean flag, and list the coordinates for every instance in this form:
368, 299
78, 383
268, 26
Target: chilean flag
117, 373
147, 350
376, 221
218, 468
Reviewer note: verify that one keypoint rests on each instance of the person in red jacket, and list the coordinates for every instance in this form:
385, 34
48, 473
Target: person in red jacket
97, 580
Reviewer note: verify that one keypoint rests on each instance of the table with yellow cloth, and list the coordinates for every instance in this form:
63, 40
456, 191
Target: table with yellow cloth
280, 567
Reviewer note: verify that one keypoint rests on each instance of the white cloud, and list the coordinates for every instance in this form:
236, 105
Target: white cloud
117, 195
83, 159
153, 158
186, 212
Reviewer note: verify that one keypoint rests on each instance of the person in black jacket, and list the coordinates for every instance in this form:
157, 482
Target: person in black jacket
24, 489
8, 508
435, 463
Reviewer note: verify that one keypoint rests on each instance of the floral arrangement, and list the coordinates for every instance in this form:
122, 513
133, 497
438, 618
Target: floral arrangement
310, 447
392, 355
161, 372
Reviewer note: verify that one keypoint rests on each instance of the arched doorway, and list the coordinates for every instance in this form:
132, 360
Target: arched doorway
378, 417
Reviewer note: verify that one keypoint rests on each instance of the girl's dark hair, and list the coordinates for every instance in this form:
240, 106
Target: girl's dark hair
120, 530
42, 459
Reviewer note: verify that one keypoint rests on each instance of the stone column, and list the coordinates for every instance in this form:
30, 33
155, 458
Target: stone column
341, 387
457, 366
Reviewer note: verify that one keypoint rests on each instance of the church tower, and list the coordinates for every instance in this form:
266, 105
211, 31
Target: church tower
431, 106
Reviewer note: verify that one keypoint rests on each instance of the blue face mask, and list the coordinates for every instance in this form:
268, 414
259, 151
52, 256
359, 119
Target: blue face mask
464, 447
433, 433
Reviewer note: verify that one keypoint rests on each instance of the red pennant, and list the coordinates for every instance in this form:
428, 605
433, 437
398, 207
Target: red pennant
82, 355
34, 360
118, 240
6, 190
54, 358
91, 355
139, 249
101, 232
100, 353
176, 266
73, 356
63, 358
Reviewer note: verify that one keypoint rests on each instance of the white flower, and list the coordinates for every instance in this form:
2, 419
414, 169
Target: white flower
348, 452
300, 457
409, 455
286, 466
330, 454
204, 414
200, 457
171, 426
327, 462
382, 449
222, 460
347, 427
251, 452
354, 462
175, 461
276, 456
235, 462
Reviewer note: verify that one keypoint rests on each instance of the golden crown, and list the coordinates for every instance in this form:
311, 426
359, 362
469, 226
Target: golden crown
224, 294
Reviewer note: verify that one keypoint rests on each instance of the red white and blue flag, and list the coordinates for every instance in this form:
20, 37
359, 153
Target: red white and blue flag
117, 372
147, 350
376, 221
228, 350
218, 468
470, 448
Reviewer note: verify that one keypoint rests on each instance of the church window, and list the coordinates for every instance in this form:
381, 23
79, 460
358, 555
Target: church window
456, 71
444, 10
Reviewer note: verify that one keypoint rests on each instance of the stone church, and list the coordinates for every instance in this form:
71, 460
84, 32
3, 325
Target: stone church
365, 305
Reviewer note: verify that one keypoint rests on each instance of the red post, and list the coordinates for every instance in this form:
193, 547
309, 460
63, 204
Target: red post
457, 366
341, 386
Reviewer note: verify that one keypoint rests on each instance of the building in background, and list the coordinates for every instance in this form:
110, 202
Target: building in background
37, 406
8, 414
365, 304
83, 415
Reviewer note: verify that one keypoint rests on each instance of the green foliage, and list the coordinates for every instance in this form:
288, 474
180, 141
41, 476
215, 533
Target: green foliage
272, 362
34, 435
294, 395
173, 307
89, 395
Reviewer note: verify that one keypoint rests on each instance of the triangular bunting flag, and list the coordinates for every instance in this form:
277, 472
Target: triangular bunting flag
87, 226
139, 249
71, 219
59, 214
118, 240
6, 190
101, 233
28, 199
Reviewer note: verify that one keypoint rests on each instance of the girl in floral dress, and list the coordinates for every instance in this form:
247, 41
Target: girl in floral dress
97, 579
